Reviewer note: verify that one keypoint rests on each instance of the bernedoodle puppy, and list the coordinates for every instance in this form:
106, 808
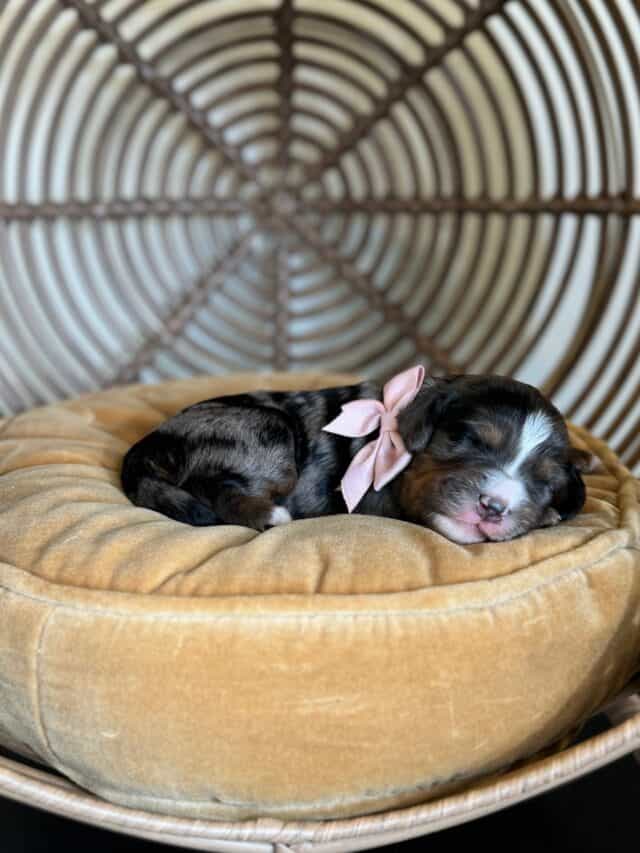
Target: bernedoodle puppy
475, 458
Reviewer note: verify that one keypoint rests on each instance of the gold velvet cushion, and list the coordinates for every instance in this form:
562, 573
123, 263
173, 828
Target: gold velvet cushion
326, 668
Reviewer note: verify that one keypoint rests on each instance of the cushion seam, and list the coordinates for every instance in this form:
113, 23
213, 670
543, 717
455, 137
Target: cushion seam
38, 714
219, 596
333, 614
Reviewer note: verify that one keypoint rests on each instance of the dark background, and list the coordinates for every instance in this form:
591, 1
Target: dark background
595, 814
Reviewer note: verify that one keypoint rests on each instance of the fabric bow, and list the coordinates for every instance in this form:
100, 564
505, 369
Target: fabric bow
380, 460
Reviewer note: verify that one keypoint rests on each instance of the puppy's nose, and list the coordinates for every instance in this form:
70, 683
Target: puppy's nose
493, 505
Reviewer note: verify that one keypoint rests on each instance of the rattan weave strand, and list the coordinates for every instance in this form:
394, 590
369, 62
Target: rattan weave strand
351, 184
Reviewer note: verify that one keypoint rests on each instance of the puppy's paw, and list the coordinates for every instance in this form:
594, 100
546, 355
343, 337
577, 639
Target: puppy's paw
551, 518
278, 515
585, 461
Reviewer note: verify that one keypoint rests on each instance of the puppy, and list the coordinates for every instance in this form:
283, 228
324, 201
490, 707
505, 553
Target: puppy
489, 459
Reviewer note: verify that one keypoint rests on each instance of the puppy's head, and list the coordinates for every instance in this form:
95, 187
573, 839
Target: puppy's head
492, 460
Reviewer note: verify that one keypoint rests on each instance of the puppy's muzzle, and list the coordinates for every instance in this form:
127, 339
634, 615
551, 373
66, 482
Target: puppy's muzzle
492, 508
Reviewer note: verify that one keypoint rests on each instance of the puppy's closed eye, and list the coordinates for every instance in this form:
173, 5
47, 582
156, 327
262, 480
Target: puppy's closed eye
465, 441
459, 433
468, 436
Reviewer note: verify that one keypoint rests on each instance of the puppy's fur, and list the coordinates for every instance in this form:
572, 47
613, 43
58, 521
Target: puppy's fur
491, 460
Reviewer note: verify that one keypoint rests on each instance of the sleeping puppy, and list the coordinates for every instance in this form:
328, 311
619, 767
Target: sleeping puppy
490, 459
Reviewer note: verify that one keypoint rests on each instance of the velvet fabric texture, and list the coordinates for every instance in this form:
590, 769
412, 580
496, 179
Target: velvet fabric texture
326, 668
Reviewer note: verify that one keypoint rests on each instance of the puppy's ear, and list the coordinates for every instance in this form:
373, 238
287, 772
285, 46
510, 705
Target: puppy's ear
417, 422
569, 497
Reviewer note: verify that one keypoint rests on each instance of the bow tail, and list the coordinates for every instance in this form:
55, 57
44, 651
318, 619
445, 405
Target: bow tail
359, 475
392, 458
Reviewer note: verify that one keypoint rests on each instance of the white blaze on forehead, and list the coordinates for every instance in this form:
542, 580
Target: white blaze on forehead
536, 429
506, 484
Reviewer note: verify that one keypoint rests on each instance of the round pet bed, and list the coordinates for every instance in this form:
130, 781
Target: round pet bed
324, 669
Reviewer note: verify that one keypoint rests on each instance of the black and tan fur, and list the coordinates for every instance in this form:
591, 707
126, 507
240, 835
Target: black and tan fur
237, 459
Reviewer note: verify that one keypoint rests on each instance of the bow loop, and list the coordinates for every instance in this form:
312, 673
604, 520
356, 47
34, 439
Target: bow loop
358, 418
402, 389
380, 460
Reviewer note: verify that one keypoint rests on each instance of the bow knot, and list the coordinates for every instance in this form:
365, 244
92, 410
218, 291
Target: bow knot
388, 422
380, 460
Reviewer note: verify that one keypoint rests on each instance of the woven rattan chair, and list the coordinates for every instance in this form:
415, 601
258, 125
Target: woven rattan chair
191, 187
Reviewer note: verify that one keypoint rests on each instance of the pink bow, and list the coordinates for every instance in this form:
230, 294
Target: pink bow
380, 460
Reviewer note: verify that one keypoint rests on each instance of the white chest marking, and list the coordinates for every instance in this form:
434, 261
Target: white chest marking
279, 515
537, 429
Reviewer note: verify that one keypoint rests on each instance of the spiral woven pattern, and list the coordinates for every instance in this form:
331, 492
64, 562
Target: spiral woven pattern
190, 186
